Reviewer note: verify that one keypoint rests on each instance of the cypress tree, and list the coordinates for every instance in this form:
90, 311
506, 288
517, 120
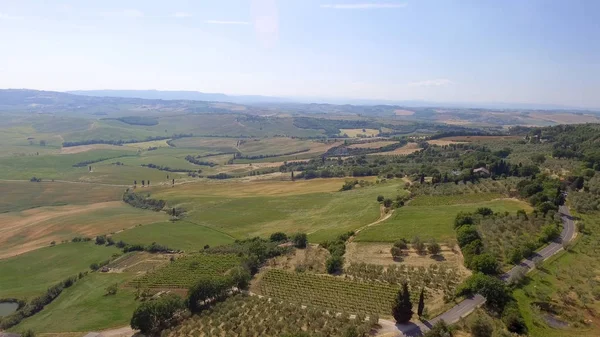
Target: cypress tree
421, 303
402, 309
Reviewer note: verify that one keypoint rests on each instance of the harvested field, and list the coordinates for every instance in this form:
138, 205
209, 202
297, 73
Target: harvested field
145, 145
24, 231
479, 138
372, 145
443, 142
355, 132
403, 151
400, 112
85, 148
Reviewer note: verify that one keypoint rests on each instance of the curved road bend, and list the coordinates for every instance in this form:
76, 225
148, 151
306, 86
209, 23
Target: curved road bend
468, 305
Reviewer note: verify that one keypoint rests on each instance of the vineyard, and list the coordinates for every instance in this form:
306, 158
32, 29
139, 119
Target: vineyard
329, 292
437, 278
246, 316
500, 186
185, 271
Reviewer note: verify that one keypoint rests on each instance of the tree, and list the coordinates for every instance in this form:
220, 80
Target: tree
439, 329
240, 277
380, 198
151, 317
292, 175
421, 306
485, 263
485, 211
351, 332
334, 264
481, 327
492, 288
112, 289
418, 245
100, 239
402, 309
463, 218
143, 182
278, 237
466, 234
402, 244
42, 142
388, 202
434, 248
396, 252
205, 291
300, 240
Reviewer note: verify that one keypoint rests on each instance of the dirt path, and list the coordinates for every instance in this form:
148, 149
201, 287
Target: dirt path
382, 217
126, 331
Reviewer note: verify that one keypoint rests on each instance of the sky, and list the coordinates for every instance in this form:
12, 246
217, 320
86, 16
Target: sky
513, 51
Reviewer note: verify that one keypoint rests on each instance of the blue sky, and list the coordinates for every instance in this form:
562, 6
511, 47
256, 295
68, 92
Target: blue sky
525, 51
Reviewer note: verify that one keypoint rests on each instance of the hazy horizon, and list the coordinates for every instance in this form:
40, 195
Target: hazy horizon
479, 52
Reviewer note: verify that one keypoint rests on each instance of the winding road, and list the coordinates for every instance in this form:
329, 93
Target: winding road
468, 305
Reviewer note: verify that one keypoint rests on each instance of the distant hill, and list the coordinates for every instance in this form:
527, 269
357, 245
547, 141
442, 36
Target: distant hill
180, 95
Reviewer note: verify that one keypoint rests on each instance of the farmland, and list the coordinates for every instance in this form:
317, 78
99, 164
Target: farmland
182, 235
429, 221
86, 307
280, 174
32, 273
185, 271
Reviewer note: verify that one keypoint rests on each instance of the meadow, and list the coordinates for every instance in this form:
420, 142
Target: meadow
30, 274
182, 235
86, 307
259, 208
430, 221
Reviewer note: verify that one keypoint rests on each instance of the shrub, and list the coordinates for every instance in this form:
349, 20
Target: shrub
300, 240
466, 234
278, 237
463, 218
434, 248
439, 329
112, 289
380, 198
334, 264
511, 316
481, 327
100, 240
402, 244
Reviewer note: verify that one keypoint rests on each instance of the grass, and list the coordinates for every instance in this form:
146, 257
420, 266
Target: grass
276, 145
86, 307
569, 283
53, 166
21, 195
247, 209
356, 132
182, 235
436, 200
429, 221
30, 274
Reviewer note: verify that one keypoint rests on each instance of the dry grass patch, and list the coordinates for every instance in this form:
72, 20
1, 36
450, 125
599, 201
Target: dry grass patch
372, 145
24, 231
253, 188
85, 148
355, 132
401, 112
443, 142
403, 151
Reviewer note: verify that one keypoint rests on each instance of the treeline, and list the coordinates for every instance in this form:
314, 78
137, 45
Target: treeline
92, 161
332, 127
121, 142
261, 156
220, 176
138, 120
168, 169
464, 133
337, 249
138, 201
196, 161
38, 303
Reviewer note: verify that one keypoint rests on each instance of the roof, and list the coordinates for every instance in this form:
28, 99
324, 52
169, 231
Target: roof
481, 169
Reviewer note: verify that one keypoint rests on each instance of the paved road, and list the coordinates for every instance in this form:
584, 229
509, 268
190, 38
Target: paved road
468, 305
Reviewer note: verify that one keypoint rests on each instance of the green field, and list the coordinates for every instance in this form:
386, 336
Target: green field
21, 195
250, 209
30, 274
86, 307
182, 235
435, 222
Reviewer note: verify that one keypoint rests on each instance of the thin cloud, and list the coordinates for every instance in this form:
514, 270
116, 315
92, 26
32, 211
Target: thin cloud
181, 15
4, 16
224, 22
126, 13
431, 83
364, 6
